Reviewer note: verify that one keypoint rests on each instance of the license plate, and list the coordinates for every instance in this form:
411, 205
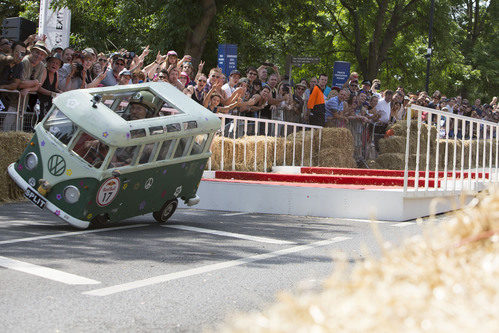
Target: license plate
35, 198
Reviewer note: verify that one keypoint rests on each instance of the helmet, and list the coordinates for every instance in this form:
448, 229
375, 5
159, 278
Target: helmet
145, 98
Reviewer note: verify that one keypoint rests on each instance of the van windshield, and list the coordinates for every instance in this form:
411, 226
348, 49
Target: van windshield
60, 126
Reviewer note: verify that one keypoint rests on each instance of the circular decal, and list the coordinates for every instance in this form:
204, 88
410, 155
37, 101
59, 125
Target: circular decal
32, 181
148, 183
56, 165
108, 191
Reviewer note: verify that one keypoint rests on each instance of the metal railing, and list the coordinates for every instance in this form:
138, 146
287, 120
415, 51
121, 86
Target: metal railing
453, 153
255, 144
20, 119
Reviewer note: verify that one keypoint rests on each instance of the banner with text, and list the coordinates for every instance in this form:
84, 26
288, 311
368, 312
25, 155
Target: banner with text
341, 72
55, 24
227, 57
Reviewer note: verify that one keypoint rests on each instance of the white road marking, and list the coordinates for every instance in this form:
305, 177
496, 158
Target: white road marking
209, 268
192, 213
402, 224
229, 234
74, 233
45, 272
235, 214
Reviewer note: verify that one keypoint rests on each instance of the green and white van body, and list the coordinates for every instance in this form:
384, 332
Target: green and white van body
168, 153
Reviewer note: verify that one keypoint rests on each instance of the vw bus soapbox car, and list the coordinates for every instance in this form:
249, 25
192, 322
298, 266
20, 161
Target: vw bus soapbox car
107, 154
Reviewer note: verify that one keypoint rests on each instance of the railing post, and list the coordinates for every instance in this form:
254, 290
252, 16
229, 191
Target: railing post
437, 149
407, 147
418, 151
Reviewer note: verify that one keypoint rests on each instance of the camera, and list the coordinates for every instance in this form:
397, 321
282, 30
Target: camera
79, 69
285, 89
377, 86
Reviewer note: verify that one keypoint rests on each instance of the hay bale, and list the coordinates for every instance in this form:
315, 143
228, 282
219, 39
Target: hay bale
446, 280
396, 161
244, 146
336, 158
12, 145
337, 138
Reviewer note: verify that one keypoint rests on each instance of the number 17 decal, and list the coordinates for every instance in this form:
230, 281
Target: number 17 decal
108, 191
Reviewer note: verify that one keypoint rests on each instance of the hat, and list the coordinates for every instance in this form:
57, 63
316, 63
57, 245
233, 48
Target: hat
125, 72
243, 80
367, 82
40, 45
89, 50
172, 53
299, 84
56, 56
335, 88
236, 72
56, 48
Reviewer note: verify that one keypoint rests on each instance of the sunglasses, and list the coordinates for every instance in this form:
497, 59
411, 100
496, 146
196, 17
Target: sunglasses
201, 80
252, 73
300, 88
102, 60
162, 76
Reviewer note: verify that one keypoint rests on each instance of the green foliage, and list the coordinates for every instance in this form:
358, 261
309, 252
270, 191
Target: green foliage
465, 57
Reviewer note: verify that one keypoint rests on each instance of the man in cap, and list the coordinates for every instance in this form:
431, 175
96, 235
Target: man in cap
230, 86
113, 74
125, 77
366, 87
33, 67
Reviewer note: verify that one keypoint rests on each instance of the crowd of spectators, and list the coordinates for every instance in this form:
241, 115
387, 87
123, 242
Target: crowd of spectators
258, 92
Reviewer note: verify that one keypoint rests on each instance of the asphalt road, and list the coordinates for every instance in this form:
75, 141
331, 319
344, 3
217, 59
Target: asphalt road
139, 276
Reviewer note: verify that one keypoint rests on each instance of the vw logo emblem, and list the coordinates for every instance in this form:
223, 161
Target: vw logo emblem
56, 165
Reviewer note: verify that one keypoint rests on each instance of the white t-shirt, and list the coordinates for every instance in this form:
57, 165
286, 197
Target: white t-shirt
383, 108
228, 90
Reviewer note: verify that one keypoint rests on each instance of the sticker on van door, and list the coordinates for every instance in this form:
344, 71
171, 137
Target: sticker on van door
108, 191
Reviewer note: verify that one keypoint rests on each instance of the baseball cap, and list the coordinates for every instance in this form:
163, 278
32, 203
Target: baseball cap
367, 82
235, 72
125, 72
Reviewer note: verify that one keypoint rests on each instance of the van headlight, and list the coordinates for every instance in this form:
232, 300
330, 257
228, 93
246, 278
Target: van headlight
31, 161
71, 194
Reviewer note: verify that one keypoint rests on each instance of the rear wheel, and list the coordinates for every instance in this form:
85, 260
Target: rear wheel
166, 211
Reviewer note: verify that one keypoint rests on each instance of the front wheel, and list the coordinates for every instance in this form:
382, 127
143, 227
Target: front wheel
166, 211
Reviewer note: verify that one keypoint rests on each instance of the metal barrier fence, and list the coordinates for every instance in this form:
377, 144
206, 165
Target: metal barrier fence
363, 137
284, 143
470, 164
19, 119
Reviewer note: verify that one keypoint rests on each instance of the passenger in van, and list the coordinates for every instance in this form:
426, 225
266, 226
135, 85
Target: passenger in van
141, 105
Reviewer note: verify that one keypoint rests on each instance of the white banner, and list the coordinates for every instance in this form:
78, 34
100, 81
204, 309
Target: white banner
56, 25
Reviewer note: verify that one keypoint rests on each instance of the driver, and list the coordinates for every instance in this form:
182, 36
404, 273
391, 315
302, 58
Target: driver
141, 105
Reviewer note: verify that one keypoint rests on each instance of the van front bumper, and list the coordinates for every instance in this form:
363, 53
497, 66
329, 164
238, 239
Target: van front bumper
50, 206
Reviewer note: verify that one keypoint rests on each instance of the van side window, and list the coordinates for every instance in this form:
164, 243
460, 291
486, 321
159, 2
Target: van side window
199, 143
165, 151
124, 156
91, 150
183, 144
147, 153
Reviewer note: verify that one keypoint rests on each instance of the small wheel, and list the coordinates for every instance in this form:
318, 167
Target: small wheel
166, 211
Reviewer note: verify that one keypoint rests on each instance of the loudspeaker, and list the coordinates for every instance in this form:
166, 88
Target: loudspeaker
17, 28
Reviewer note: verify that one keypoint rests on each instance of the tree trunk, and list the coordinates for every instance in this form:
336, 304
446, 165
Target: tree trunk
196, 38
